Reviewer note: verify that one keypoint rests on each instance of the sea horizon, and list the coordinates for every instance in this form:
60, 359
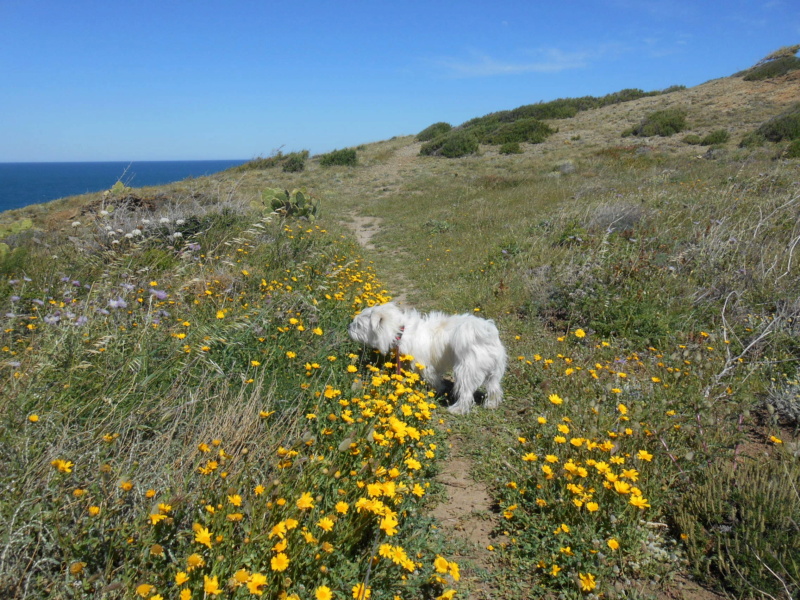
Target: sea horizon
24, 183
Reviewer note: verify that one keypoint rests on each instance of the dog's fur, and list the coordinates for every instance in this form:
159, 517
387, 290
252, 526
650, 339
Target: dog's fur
467, 345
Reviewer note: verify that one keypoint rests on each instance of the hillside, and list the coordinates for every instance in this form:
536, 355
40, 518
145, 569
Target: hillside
202, 420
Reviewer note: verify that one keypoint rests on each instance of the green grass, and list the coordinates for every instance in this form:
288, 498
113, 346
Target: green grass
653, 294
176, 399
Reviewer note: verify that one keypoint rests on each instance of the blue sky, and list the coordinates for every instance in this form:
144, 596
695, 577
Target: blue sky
159, 80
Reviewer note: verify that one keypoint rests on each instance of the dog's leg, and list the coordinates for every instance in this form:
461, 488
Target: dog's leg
465, 385
494, 393
434, 379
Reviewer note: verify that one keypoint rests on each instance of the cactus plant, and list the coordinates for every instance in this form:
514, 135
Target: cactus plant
297, 203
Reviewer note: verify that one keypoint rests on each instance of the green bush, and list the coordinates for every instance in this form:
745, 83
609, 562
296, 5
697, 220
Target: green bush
433, 131
692, 139
752, 140
740, 522
295, 162
720, 136
346, 157
292, 162
773, 68
451, 145
531, 130
793, 151
663, 123
783, 127
510, 148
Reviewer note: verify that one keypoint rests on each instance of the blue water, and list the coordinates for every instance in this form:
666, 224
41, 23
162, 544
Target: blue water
22, 184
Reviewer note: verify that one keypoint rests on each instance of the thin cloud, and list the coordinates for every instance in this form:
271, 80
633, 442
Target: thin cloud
549, 60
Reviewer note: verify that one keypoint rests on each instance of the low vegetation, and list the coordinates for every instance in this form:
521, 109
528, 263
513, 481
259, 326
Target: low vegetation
185, 416
346, 157
780, 62
289, 163
433, 131
662, 123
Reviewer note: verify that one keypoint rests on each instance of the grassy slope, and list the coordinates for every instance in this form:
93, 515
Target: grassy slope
682, 273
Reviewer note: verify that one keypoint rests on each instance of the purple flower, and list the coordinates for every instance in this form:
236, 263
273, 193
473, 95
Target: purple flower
81, 320
13, 281
37, 301
161, 295
52, 319
15, 298
103, 311
65, 280
128, 287
118, 303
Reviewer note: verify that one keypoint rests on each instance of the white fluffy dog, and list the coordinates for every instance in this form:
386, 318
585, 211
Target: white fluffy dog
468, 346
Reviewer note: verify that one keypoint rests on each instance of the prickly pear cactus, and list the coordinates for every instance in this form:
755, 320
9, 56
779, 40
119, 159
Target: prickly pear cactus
297, 203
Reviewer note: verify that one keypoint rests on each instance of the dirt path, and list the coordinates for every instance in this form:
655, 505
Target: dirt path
466, 516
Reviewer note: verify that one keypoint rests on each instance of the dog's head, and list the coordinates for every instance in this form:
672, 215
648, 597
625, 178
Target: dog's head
377, 326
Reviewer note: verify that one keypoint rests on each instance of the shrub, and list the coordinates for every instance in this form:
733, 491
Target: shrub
720, 136
346, 157
793, 151
295, 162
531, 130
783, 127
740, 523
751, 140
510, 148
692, 139
433, 131
663, 123
292, 162
774, 68
451, 145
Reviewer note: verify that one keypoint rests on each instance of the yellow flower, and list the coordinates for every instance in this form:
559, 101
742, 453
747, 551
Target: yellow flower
342, 508
323, 592
639, 501
644, 455
186, 594
94, 510
235, 499
530, 457
592, 506
202, 536
360, 592
211, 585
580, 333
255, 583
181, 578
325, 523
317, 331
126, 486
775, 440
194, 561
555, 399
305, 501
144, 590
613, 544
280, 562
156, 518
587, 582
220, 314
441, 564
33, 418
255, 363
352, 369
63, 466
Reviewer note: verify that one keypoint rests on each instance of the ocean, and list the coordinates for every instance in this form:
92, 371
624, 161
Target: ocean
22, 184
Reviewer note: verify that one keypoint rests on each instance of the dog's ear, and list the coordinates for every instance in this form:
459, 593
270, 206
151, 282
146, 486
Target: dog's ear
376, 320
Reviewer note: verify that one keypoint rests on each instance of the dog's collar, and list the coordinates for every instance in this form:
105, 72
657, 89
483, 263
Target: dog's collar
397, 339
